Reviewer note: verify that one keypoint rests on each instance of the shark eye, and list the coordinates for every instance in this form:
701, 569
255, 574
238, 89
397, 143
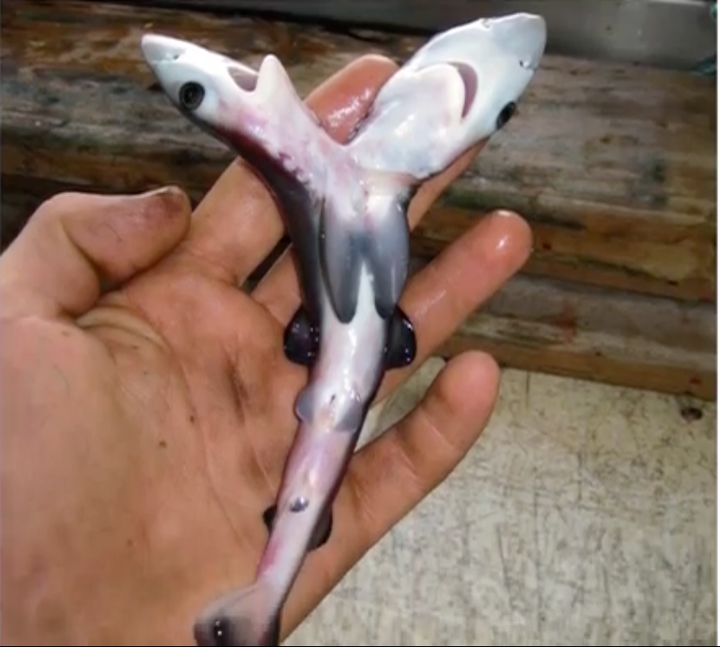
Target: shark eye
191, 95
506, 114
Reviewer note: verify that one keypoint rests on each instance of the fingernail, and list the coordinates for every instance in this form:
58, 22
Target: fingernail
159, 191
166, 198
171, 194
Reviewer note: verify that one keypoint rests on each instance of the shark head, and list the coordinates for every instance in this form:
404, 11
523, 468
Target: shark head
229, 100
203, 85
496, 59
459, 89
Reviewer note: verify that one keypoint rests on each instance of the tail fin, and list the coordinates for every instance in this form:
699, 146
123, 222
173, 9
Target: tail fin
247, 617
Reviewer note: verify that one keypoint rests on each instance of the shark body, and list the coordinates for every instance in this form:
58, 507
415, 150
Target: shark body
345, 209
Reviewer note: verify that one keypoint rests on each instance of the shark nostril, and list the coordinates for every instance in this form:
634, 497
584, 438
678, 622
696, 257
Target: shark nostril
469, 78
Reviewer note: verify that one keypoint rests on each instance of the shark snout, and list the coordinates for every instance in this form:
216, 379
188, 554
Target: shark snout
522, 35
159, 49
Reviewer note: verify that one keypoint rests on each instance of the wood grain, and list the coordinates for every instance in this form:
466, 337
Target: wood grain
613, 166
597, 334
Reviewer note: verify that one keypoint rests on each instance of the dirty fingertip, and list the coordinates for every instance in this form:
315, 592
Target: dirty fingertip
167, 202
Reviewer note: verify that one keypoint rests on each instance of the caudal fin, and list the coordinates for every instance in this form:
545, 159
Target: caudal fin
247, 617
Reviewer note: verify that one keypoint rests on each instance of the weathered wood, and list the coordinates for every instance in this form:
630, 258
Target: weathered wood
614, 166
597, 334
664, 33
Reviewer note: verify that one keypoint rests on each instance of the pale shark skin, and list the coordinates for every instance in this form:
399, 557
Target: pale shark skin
345, 209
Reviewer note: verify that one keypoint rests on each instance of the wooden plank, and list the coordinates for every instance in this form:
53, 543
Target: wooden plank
597, 334
666, 33
614, 166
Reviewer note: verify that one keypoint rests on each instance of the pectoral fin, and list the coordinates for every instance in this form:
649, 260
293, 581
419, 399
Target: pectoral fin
401, 345
341, 259
301, 339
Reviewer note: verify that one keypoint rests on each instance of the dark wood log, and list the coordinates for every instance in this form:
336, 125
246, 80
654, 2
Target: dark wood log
614, 167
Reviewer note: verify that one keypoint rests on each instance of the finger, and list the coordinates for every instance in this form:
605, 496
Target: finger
77, 245
393, 473
440, 297
237, 224
279, 290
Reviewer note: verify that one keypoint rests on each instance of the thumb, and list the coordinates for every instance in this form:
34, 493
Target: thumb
76, 245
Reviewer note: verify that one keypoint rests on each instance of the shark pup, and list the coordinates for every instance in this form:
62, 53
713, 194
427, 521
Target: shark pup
345, 207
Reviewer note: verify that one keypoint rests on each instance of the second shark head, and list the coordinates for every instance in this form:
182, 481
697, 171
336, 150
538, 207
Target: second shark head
458, 90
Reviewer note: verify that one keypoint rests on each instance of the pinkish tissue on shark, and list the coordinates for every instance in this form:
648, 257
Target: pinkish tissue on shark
344, 206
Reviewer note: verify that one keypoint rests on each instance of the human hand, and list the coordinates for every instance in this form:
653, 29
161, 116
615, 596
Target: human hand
148, 406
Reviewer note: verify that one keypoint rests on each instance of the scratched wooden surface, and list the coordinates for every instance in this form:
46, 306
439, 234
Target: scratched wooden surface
614, 167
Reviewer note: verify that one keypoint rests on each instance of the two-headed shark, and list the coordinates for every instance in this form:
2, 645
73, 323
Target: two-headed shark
345, 208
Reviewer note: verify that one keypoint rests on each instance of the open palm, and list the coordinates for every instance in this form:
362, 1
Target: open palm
148, 406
